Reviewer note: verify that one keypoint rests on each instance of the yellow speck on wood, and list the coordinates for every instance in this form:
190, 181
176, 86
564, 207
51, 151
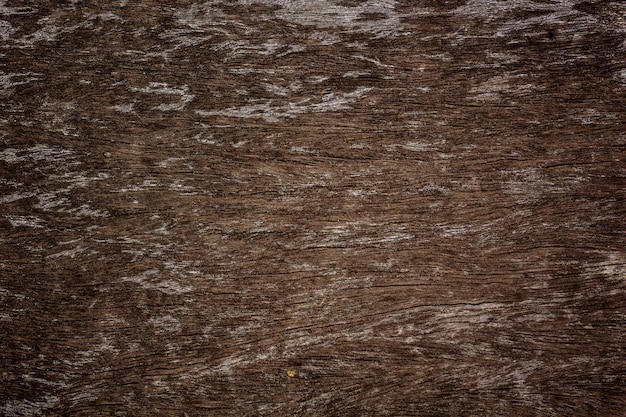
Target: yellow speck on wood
291, 373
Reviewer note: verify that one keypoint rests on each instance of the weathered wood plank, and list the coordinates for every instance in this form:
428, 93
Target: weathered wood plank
261, 207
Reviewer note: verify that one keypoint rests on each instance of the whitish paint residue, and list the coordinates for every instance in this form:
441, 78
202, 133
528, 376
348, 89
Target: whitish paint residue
621, 75
494, 10
38, 153
326, 14
432, 187
70, 253
145, 184
614, 266
493, 88
167, 323
150, 280
6, 30
15, 197
270, 112
164, 89
13, 79
166, 163
528, 184
124, 108
29, 408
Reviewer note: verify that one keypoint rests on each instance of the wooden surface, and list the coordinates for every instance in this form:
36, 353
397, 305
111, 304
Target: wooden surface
313, 208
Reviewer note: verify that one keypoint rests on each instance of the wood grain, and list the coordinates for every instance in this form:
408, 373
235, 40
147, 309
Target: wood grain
313, 208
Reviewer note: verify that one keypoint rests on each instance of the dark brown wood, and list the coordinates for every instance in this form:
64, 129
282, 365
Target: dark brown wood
313, 208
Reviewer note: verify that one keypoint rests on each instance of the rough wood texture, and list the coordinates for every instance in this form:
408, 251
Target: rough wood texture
313, 208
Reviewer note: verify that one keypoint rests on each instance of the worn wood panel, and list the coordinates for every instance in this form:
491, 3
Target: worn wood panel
315, 208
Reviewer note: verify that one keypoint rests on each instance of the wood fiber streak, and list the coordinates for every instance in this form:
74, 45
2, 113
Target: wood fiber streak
313, 208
